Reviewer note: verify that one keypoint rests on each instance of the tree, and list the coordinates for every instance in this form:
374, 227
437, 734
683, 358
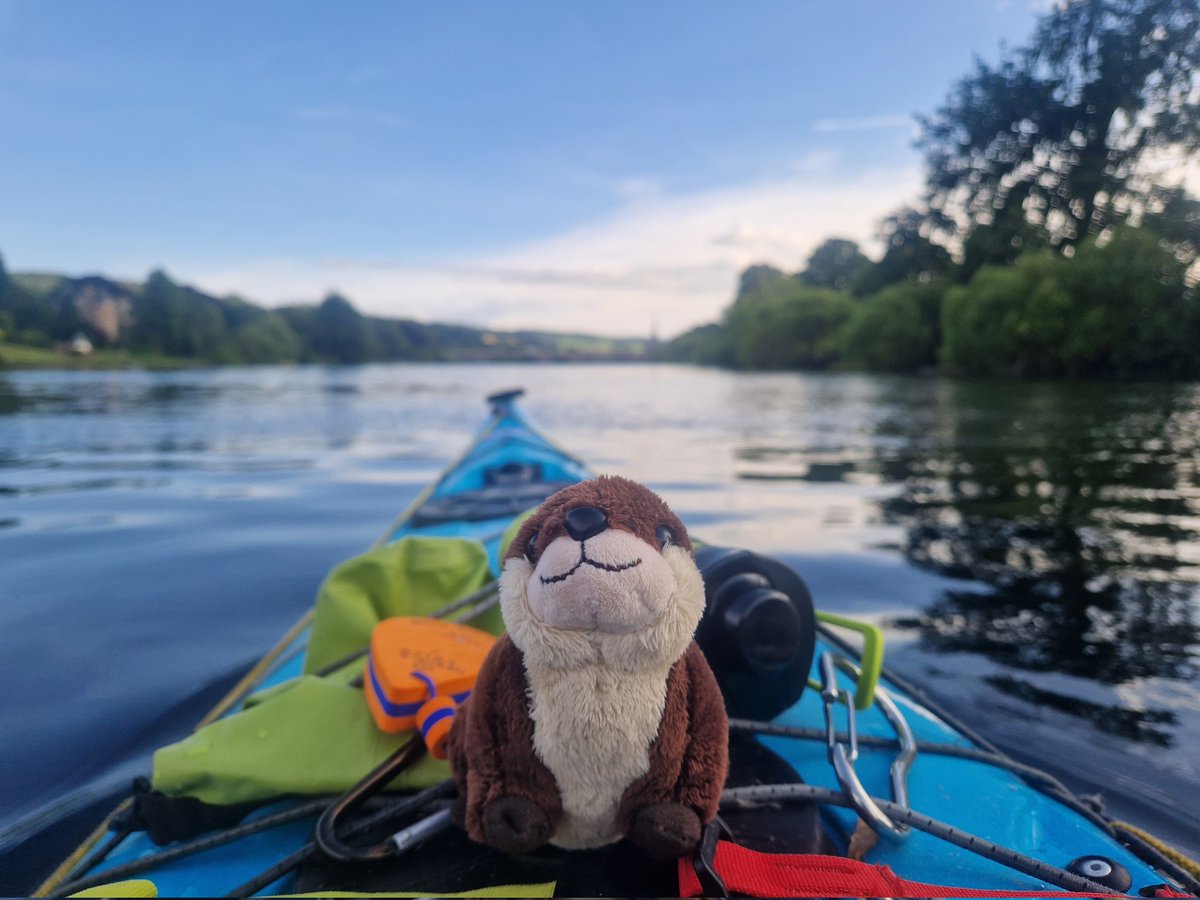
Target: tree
6, 316
1179, 225
1072, 125
893, 331
836, 264
267, 339
910, 254
1119, 306
705, 345
1133, 314
1010, 320
340, 332
792, 327
156, 324
24, 314
999, 242
759, 278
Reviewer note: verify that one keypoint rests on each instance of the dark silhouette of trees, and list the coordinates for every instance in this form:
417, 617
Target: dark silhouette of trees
339, 332
1070, 129
836, 264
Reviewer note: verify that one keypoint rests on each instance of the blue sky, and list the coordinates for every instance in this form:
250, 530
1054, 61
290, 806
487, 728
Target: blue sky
600, 166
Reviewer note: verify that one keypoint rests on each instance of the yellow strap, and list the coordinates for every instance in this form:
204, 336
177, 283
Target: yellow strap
545, 889
137, 887
1186, 863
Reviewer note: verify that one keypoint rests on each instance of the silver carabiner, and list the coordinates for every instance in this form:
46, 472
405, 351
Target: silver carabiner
843, 757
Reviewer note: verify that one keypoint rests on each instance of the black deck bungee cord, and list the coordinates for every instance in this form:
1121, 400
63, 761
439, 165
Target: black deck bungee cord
198, 845
401, 807
123, 829
1034, 777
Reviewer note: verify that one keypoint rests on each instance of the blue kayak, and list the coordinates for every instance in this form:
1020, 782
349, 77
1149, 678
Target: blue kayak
858, 762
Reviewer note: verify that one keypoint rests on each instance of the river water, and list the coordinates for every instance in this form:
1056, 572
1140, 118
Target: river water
1032, 550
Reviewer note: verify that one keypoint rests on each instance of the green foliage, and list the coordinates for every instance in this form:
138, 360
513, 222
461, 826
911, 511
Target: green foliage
836, 264
893, 330
999, 242
1065, 125
6, 317
339, 332
177, 321
910, 254
158, 316
391, 339
787, 326
173, 323
24, 314
1135, 313
760, 279
1119, 307
1008, 320
266, 339
705, 345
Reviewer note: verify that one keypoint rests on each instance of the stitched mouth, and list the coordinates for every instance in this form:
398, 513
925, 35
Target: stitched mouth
584, 561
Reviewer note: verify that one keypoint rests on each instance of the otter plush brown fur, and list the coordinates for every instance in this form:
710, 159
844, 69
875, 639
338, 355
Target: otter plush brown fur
596, 715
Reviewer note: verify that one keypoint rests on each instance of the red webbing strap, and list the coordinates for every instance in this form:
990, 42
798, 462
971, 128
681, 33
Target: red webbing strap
747, 871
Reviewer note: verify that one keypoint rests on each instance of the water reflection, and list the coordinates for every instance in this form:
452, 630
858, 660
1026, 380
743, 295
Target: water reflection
1074, 515
1131, 724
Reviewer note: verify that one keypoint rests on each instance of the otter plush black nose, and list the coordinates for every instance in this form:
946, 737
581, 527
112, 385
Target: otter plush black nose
584, 522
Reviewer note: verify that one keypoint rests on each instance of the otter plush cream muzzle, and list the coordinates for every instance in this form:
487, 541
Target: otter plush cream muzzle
611, 582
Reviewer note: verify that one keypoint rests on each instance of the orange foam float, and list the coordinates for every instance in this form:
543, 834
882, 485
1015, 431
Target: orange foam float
418, 671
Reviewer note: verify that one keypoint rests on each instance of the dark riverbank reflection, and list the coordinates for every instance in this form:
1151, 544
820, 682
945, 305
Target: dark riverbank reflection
1073, 514
1051, 599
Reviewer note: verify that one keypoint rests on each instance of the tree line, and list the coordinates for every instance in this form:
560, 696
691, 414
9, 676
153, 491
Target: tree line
164, 318
1120, 305
1050, 239
170, 319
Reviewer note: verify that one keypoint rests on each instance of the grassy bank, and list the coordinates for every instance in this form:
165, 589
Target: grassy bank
21, 356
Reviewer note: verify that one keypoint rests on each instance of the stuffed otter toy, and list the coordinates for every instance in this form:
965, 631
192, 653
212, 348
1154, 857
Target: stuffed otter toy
596, 716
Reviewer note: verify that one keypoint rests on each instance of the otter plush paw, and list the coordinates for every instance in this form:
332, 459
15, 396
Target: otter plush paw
515, 825
666, 830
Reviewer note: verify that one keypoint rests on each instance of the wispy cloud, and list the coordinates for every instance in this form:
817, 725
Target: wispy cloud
864, 123
670, 259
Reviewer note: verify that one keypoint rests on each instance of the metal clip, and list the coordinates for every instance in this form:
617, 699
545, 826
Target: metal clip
843, 757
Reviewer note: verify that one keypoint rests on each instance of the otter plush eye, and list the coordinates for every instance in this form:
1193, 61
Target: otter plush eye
531, 547
666, 536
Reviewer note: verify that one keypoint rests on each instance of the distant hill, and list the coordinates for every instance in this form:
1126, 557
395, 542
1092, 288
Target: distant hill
163, 317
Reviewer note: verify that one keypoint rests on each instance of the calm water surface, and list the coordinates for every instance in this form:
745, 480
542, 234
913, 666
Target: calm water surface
1033, 550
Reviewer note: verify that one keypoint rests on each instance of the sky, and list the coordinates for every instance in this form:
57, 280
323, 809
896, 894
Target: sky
607, 167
